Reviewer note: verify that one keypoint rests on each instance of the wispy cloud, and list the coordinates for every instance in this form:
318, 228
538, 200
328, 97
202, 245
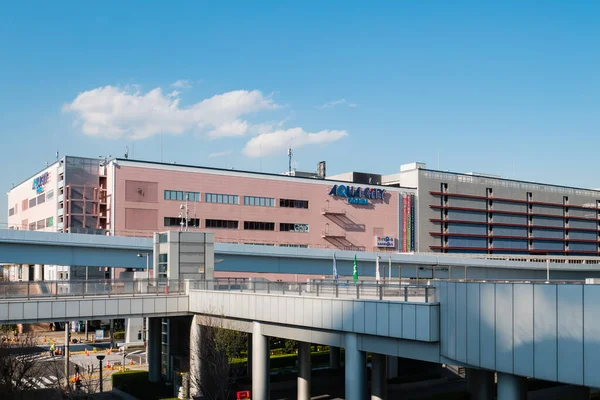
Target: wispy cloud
114, 112
278, 141
181, 84
127, 112
336, 103
220, 154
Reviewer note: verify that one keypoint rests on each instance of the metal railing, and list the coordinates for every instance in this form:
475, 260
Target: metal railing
90, 288
360, 290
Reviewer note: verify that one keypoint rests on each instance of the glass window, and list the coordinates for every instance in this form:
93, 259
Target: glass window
50, 195
180, 196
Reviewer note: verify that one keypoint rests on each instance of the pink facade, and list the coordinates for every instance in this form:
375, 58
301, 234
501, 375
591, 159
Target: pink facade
141, 197
32, 205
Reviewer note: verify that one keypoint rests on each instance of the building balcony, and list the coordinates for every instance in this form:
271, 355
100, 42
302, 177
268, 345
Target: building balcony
325, 211
333, 235
60, 198
61, 183
61, 212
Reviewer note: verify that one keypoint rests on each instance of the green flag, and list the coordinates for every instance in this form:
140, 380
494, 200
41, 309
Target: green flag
355, 271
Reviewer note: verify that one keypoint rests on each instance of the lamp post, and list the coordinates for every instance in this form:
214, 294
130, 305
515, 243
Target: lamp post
100, 358
147, 255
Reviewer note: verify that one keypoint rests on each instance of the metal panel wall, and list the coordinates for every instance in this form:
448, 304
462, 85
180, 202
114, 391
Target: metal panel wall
546, 331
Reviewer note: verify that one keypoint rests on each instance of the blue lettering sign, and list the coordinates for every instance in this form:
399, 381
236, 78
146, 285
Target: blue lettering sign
356, 195
40, 182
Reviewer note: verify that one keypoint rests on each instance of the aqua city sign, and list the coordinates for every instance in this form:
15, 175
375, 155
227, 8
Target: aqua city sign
356, 195
40, 182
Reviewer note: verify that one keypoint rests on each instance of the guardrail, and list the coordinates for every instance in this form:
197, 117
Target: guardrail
90, 288
359, 290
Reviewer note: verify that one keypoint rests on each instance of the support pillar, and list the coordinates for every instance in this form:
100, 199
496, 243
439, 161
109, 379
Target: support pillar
379, 377
334, 357
480, 383
195, 358
392, 367
356, 364
260, 363
38, 274
154, 357
67, 326
511, 387
304, 371
249, 362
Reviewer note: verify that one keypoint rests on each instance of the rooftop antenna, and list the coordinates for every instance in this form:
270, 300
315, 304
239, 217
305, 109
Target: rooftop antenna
57, 154
290, 153
126, 152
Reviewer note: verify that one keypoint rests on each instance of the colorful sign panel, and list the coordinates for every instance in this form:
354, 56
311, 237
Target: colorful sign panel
408, 223
40, 182
385, 241
357, 195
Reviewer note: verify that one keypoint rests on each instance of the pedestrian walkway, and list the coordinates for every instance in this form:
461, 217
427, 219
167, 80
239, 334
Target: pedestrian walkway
40, 382
42, 357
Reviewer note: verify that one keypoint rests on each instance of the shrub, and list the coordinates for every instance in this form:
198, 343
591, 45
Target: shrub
119, 335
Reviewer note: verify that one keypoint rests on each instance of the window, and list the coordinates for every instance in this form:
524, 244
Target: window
49, 195
259, 226
222, 198
288, 227
181, 195
11, 212
222, 224
162, 265
41, 224
41, 199
193, 196
289, 203
162, 238
259, 201
49, 222
176, 221
32, 226
24, 205
32, 202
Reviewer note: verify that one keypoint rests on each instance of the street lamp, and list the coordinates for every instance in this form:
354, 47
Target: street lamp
100, 358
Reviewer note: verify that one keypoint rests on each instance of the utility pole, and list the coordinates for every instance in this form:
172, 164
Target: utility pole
67, 352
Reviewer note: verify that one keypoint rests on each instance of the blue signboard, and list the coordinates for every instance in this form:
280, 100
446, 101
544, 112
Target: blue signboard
40, 182
356, 195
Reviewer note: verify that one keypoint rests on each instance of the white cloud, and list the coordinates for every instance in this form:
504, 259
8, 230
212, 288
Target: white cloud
114, 112
278, 141
231, 128
336, 103
181, 84
220, 154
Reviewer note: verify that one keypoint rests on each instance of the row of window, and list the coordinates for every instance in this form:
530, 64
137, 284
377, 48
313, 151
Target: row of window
41, 224
234, 199
29, 203
230, 224
181, 196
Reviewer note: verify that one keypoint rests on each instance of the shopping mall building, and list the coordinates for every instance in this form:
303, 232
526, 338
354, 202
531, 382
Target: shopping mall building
415, 209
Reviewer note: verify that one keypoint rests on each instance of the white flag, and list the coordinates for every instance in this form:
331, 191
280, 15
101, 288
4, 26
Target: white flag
377, 275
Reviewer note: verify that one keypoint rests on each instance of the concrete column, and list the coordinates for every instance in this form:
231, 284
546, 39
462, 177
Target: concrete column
38, 273
356, 364
304, 371
379, 377
392, 367
154, 357
260, 363
511, 387
480, 383
195, 358
334, 357
249, 363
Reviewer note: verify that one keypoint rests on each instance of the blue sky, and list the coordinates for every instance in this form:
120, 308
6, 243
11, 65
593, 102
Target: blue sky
510, 89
